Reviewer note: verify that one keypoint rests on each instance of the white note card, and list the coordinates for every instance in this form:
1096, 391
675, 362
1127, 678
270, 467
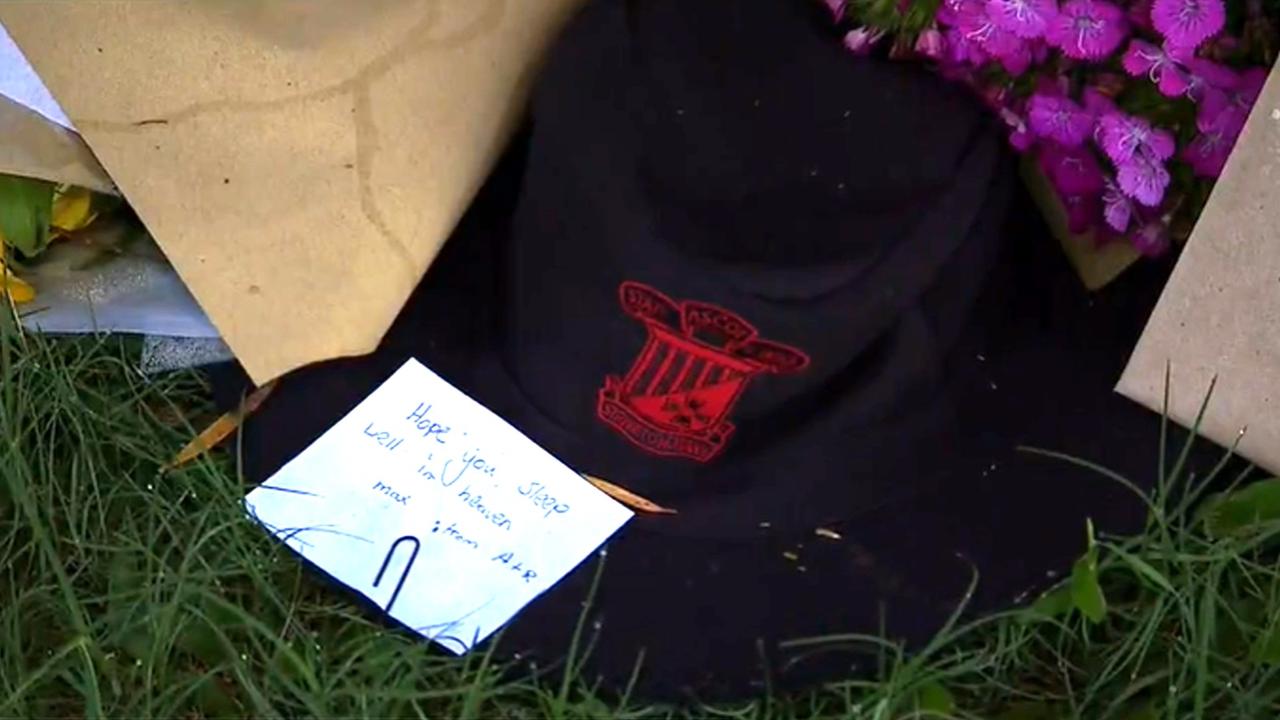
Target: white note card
20, 83
435, 509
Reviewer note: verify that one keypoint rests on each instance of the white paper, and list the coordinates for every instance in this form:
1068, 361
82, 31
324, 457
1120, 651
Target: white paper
134, 292
436, 509
20, 83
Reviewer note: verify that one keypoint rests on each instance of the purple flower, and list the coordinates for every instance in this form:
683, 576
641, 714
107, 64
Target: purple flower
1143, 58
1144, 179
1208, 152
1152, 239
1028, 19
1082, 212
1124, 137
1188, 23
932, 44
962, 50
1020, 136
953, 12
1205, 76
1072, 171
837, 8
1117, 208
1016, 59
1088, 29
1227, 110
1059, 119
860, 41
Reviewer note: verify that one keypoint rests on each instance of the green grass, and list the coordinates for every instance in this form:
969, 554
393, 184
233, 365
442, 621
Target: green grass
129, 593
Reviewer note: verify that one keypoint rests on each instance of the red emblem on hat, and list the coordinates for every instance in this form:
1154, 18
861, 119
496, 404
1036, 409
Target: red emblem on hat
695, 364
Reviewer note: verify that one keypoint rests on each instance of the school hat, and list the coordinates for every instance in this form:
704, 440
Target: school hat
799, 298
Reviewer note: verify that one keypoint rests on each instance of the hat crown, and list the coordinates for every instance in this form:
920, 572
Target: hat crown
752, 134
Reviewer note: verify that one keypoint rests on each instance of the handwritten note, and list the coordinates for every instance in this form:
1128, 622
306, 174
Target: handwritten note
20, 83
435, 509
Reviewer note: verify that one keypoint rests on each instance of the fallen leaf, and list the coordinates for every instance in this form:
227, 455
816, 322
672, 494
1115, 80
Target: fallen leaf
628, 498
221, 428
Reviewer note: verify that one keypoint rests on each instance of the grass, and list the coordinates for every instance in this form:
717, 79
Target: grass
126, 592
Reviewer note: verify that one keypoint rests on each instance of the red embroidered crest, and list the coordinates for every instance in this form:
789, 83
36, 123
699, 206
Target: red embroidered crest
696, 363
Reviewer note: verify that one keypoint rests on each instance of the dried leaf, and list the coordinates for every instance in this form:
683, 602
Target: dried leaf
221, 428
628, 498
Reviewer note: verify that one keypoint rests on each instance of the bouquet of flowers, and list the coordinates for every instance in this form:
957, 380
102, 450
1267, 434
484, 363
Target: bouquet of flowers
1129, 109
33, 214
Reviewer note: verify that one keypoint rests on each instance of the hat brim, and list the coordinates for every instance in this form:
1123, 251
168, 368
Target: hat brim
712, 614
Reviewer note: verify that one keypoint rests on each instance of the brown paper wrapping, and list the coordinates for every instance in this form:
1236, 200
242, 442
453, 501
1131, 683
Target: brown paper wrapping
32, 146
1220, 313
299, 161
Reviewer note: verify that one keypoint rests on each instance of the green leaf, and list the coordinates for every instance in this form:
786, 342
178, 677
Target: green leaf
1266, 649
1246, 508
1144, 570
26, 206
935, 699
1086, 591
1053, 604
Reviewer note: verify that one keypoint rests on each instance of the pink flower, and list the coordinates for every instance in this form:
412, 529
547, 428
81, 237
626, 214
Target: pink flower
1072, 171
953, 12
1124, 137
862, 40
1088, 29
1028, 19
1207, 154
1082, 212
1228, 109
1117, 208
1020, 136
837, 8
1059, 119
1143, 58
1016, 59
1188, 23
963, 50
992, 39
1152, 239
932, 44
1144, 179
1205, 76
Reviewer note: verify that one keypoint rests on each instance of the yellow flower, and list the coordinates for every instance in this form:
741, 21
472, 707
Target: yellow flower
72, 210
12, 285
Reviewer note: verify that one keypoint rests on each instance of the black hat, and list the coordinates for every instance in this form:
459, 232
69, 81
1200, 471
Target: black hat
793, 295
